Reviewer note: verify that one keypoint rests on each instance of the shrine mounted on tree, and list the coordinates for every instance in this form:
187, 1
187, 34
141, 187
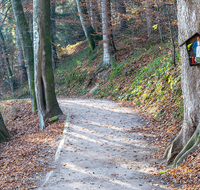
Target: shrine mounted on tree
188, 37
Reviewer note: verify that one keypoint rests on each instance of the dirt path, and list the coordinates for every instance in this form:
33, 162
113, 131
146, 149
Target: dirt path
97, 153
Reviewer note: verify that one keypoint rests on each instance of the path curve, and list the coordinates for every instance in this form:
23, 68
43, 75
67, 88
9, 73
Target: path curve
96, 152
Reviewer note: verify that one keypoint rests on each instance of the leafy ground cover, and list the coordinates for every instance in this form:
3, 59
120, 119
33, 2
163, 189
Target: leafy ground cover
24, 156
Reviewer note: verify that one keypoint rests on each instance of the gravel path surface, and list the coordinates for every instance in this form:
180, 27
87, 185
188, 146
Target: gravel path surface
96, 152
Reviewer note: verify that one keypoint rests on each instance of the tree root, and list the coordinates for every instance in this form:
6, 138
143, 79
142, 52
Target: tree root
173, 149
176, 152
188, 148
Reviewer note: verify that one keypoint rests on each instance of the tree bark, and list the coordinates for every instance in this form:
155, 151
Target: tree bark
148, 18
6, 61
27, 47
44, 78
121, 9
188, 138
94, 15
84, 18
21, 63
55, 58
4, 135
108, 42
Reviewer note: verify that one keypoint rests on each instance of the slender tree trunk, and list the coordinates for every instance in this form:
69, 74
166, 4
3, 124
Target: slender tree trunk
1, 57
94, 15
84, 18
4, 135
6, 61
121, 9
53, 33
188, 138
108, 43
44, 78
148, 18
22, 68
27, 47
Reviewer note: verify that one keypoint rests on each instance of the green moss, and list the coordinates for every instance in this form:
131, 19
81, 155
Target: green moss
53, 119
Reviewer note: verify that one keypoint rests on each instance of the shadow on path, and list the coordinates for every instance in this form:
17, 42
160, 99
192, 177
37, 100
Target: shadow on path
98, 153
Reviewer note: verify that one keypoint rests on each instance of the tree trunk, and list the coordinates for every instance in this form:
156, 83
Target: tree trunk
94, 15
22, 68
27, 47
108, 43
55, 58
148, 18
6, 61
44, 78
121, 9
188, 138
4, 135
88, 30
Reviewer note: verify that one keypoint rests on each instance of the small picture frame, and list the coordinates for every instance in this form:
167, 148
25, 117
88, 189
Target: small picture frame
193, 48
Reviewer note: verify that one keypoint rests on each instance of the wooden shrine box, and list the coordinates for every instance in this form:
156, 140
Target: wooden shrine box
191, 55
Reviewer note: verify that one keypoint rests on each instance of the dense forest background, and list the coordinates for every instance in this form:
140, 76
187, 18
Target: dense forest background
139, 23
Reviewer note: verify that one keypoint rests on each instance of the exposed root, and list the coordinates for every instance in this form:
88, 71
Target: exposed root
188, 148
173, 149
176, 152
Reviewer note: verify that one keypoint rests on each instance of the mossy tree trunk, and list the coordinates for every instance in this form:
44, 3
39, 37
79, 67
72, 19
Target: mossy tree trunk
44, 78
188, 138
4, 135
27, 47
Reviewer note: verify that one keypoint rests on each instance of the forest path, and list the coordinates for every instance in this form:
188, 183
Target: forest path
97, 152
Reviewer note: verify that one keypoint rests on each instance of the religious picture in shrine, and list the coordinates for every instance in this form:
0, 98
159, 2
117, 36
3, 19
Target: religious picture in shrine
193, 47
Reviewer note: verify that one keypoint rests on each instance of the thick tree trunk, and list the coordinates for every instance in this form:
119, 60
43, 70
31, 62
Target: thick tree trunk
121, 9
84, 18
108, 43
188, 138
21, 63
6, 61
44, 78
27, 47
4, 135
